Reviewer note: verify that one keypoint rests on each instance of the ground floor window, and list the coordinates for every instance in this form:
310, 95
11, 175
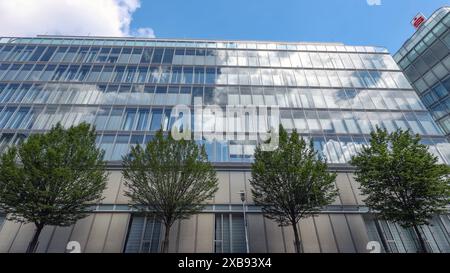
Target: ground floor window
144, 235
2, 219
229, 233
401, 240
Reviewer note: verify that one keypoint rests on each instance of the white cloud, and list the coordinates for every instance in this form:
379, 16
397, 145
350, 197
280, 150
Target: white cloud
70, 17
143, 32
374, 2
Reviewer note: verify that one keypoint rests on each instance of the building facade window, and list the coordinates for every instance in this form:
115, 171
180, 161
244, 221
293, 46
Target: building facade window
144, 235
425, 59
331, 93
404, 240
229, 233
2, 220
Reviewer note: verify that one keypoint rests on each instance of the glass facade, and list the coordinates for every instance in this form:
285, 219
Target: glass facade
2, 219
229, 234
144, 235
402, 240
425, 59
331, 93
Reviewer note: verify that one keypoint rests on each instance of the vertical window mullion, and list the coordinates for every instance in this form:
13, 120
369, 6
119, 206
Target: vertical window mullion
142, 234
230, 224
222, 233
151, 234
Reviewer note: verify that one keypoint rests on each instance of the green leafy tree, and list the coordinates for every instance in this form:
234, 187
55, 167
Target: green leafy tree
169, 179
402, 180
52, 178
291, 182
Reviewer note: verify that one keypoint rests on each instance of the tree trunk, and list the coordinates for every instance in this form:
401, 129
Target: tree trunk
423, 247
297, 239
381, 234
165, 243
34, 242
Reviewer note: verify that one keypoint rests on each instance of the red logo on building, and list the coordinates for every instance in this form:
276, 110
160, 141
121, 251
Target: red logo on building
418, 20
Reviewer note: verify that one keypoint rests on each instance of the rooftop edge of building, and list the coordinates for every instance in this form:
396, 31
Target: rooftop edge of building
234, 43
206, 40
418, 31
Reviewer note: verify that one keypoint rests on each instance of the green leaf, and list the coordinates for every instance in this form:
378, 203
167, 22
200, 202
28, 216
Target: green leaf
52, 178
291, 182
401, 180
169, 179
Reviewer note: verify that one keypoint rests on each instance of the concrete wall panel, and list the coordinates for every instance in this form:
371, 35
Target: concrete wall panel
112, 187
256, 233
345, 190
97, 235
60, 239
205, 233
248, 191
325, 234
289, 238
121, 198
23, 238
358, 231
237, 184
342, 233
81, 231
187, 235
44, 239
8, 233
337, 200
355, 186
173, 237
117, 233
223, 194
310, 242
275, 242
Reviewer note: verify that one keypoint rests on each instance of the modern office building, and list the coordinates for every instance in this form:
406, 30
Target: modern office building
332, 93
425, 60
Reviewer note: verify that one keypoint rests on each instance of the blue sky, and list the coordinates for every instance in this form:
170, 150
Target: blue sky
352, 22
